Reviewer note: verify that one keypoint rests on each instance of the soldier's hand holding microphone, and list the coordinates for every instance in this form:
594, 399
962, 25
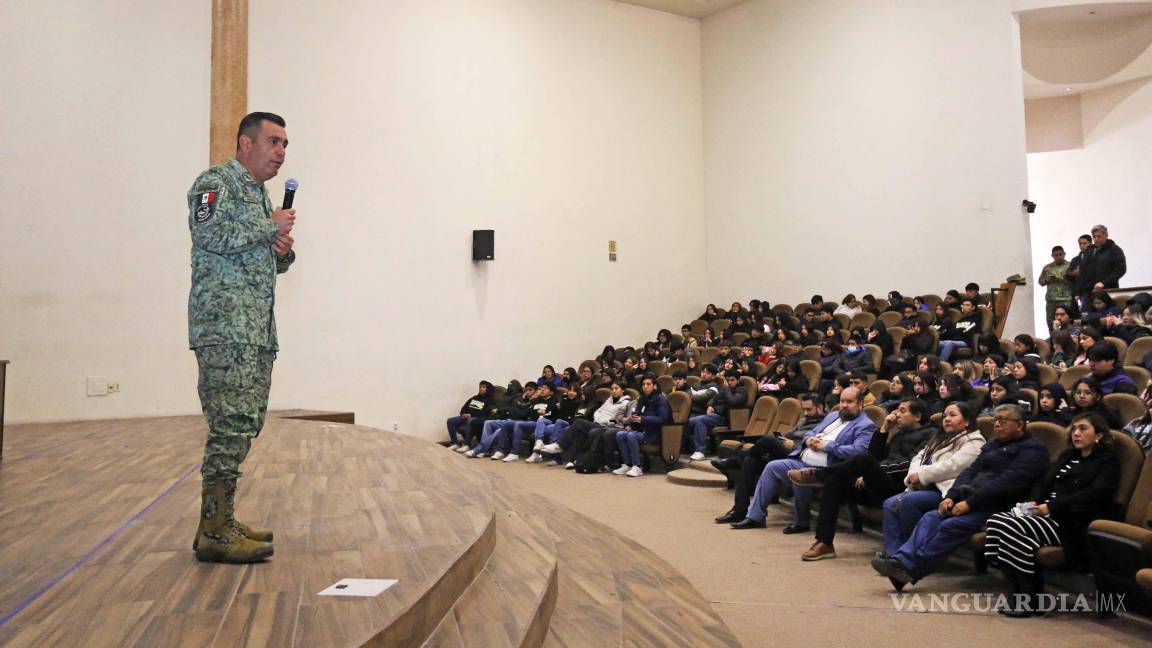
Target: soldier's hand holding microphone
285, 220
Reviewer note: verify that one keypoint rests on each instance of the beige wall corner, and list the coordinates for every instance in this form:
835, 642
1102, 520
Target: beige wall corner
1053, 124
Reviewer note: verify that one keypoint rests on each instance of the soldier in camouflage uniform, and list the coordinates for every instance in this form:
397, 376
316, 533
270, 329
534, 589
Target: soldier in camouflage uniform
239, 245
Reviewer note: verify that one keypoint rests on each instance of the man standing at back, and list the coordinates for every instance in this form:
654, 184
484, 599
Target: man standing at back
239, 245
1104, 264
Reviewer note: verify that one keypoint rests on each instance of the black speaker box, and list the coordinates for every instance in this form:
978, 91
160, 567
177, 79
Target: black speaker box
483, 245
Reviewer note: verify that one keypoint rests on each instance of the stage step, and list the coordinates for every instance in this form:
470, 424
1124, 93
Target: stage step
704, 466
510, 603
701, 478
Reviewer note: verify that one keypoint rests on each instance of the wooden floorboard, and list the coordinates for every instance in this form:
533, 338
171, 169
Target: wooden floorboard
97, 519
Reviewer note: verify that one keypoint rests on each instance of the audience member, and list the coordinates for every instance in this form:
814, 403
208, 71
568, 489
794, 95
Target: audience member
1078, 488
1105, 264
1140, 428
1052, 406
475, 407
1058, 289
645, 426
1102, 359
1088, 397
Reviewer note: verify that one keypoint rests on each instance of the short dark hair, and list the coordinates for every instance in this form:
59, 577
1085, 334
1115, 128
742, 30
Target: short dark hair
252, 123
531, 384
972, 285
1057, 248
679, 373
918, 408
546, 385
811, 397
858, 374
732, 373
1103, 351
709, 367
1085, 237
817, 299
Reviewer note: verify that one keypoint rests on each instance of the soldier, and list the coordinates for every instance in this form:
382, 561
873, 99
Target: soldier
239, 245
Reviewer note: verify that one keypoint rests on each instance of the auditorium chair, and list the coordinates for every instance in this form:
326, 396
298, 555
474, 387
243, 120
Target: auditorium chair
882, 304
844, 320
668, 452
603, 394
785, 415
1121, 345
1032, 396
935, 340
699, 327
1007, 348
811, 370
665, 383
676, 339
1132, 462
985, 425
987, 318
692, 381
876, 413
801, 308
930, 300
498, 393
863, 320
897, 334
595, 366
877, 360
758, 369
1126, 406
1044, 349
1055, 437
1048, 374
720, 325
657, 367
738, 416
1134, 356
1140, 376
811, 352
784, 309
978, 395
739, 338
678, 365
1072, 374
708, 354
890, 318
632, 393
879, 388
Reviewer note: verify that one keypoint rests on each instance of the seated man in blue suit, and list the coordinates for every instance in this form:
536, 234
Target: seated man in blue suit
842, 434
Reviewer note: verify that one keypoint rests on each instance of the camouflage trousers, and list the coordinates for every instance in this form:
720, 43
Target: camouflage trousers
233, 385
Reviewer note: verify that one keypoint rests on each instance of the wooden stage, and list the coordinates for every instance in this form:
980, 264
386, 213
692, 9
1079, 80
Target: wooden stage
97, 521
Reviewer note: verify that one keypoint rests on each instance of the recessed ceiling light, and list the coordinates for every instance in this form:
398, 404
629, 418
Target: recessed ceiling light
1068, 89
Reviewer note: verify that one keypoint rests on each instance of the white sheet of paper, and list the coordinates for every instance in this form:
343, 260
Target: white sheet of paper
359, 587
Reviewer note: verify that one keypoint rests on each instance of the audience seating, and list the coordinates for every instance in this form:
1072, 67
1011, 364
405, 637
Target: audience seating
658, 367
672, 434
1121, 345
1072, 374
844, 321
708, 354
1048, 374
1140, 376
1126, 406
890, 318
739, 338
699, 327
1043, 348
678, 365
897, 334
1134, 356
879, 388
877, 359
984, 424
811, 352
811, 370
876, 413
1055, 437
720, 325
862, 320
665, 383
1007, 348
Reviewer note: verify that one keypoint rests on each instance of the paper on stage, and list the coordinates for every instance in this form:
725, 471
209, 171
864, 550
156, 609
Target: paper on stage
359, 587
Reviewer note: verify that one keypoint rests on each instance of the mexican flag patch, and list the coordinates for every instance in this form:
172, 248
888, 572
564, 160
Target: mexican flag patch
206, 205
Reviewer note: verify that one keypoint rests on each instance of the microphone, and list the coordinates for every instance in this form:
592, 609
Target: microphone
290, 186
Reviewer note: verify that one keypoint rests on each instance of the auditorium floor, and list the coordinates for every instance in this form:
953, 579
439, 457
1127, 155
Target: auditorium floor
756, 581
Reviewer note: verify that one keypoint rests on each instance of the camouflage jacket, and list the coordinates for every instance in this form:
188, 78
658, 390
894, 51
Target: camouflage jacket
233, 266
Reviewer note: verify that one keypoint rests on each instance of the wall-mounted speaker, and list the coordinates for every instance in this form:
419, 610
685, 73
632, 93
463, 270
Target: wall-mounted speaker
483, 245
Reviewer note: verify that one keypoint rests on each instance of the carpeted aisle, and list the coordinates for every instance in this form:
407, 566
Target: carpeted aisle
768, 596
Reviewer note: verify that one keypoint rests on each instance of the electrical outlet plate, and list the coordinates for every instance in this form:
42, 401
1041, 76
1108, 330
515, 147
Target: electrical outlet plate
97, 386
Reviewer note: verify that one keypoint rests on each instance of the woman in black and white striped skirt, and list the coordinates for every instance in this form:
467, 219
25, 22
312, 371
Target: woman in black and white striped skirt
1078, 489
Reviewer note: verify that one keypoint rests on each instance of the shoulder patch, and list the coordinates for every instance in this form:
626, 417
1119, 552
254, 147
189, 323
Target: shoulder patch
205, 205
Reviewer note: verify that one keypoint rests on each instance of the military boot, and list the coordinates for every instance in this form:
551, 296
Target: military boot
263, 535
220, 539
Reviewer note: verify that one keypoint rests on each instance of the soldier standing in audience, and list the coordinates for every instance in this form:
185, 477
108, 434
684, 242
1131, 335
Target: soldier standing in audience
1054, 277
239, 245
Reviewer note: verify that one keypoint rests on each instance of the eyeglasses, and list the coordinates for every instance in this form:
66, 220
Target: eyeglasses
1004, 419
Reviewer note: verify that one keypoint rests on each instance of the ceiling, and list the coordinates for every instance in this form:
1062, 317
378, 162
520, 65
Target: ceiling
1073, 49
690, 8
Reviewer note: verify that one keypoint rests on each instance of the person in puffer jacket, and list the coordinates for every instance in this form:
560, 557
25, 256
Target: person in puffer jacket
646, 425
1004, 473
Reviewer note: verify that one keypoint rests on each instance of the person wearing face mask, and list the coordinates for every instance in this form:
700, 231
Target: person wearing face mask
1005, 471
744, 469
839, 437
1078, 488
868, 478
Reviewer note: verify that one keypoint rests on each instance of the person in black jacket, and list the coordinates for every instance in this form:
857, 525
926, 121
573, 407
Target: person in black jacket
644, 426
866, 479
1087, 396
1104, 264
1006, 470
475, 407
878, 335
1078, 489
1051, 406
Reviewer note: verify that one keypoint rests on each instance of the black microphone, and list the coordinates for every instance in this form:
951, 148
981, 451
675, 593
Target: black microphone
289, 192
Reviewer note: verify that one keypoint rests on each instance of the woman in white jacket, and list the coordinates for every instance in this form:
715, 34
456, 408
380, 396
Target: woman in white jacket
931, 473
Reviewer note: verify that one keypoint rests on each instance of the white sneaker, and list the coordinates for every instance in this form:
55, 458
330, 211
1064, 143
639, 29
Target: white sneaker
453, 447
470, 453
554, 462
480, 455
462, 449
570, 465
622, 469
535, 458
497, 456
539, 444
552, 448
696, 456
635, 472
512, 457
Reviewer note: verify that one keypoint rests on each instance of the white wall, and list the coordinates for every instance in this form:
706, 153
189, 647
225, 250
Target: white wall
875, 133
104, 125
1108, 181
560, 124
